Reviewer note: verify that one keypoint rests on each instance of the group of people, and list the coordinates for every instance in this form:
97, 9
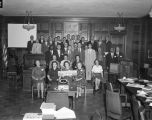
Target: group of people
72, 53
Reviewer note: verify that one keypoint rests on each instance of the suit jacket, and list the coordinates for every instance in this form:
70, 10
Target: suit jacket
45, 47
59, 57
108, 46
81, 53
119, 57
29, 46
65, 51
110, 59
70, 55
48, 56
75, 52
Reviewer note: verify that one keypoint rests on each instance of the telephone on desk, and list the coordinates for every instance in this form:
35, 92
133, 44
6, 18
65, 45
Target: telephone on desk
63, 85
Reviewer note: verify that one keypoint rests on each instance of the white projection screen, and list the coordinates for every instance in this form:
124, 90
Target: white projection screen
18, 37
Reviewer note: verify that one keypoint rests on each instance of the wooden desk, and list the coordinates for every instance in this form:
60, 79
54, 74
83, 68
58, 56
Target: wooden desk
71, 93
132, 91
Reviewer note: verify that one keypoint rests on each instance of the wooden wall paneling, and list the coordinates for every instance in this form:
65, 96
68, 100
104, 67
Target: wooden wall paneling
136, 42
129, 40
1, 51
84, 30
59, 29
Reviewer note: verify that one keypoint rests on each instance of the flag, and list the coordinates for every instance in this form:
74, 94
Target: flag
5, 61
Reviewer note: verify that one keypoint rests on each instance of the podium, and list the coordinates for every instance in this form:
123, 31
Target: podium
29, 59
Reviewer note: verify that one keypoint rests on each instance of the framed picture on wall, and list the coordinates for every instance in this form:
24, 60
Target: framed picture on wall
71, 28
84, 34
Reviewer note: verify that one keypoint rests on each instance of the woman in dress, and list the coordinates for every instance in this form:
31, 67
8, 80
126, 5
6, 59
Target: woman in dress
38, 75
53, 74
80, 79
97, 74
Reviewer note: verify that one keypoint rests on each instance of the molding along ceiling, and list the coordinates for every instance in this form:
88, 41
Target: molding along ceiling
77, 8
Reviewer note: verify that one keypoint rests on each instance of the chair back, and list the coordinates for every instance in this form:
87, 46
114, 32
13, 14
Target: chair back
135, 107
96, 116
60, 99
113, 102
109, 86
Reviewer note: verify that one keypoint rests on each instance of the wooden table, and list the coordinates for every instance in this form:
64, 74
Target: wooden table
71, 93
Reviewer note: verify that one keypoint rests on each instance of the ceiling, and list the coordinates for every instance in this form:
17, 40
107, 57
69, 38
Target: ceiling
77, 8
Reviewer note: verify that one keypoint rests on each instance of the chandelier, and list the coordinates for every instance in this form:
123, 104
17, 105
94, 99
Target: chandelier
120, 27
28, 21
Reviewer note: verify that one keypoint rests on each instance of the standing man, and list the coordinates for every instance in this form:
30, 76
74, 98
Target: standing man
90, 56
59, 53
108, 43
30, 44
81, 52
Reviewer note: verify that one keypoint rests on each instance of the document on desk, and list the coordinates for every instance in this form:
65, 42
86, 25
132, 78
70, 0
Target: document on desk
32, 116
135, 85
65, 113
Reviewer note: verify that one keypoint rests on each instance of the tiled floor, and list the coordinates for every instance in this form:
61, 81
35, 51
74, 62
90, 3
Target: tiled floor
14, 103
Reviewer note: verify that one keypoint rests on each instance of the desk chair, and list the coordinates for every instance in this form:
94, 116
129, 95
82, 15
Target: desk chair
34, 87
123, 97
96, 116
137, 109
114, 107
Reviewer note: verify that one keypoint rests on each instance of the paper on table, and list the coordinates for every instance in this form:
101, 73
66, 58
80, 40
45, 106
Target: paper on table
141, 92
64, 113
148, 100
150, 104
124, 80
135, 85
32, 116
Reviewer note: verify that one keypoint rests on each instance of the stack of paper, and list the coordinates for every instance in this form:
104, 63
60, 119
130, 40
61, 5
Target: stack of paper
150, 104
65, 113
32, 116
148, 99
135, 85
141, 92
125, 80
48, 108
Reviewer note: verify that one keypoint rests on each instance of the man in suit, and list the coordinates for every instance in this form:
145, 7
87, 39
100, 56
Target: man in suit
81, 52
30, 44
49, 55
108, 44
65, 48
59, 53
70, 54
75, 51
119, 55
110, 58
45, 46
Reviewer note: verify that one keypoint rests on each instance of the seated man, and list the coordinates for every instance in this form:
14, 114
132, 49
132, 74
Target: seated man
36, 49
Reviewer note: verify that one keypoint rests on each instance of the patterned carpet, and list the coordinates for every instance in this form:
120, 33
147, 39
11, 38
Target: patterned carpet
15, 103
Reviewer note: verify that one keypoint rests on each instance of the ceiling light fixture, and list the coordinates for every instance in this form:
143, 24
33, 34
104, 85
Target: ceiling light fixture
120, 26
28, 21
